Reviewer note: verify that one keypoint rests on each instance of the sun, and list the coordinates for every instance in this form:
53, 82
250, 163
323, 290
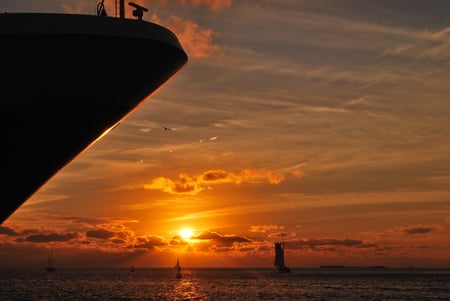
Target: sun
186, 233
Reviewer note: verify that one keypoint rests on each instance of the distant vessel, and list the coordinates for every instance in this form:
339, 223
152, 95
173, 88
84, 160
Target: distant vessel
178, 269
50, 267
279, 258
332, 266
68, 79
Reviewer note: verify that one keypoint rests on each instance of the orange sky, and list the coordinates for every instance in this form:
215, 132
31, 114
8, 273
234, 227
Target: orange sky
319, 123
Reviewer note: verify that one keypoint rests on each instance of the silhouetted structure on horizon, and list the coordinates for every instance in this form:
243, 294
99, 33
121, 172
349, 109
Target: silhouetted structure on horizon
50, 267
279, 261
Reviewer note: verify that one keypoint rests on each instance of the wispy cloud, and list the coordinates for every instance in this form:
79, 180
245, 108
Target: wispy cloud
52, 237
417, 229
196, 40
195, 184
149, 242
82, 6
428, 45
221, 238
100, 234
265, 228
8, 231
214, 5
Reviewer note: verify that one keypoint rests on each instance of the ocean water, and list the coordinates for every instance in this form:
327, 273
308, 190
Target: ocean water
226, 284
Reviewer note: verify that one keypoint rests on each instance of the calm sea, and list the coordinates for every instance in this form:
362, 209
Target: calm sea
226, 284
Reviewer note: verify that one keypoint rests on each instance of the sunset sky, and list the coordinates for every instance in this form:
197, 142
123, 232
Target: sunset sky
323, 123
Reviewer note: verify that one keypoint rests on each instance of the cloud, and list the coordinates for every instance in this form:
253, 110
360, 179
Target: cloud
100, 234
105, 235
440, 47
118, 241
178, 240
80, 220
432, 45
403, 49
214, 5
148, 242
78, 7
221, 239
417, 230
196, 40
265, 228
297, 173
185, 185
281, 235
259, 176
329, 242
192, 185
414, 231
8, 231
51, 237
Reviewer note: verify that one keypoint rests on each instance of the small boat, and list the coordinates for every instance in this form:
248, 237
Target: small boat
178, 268
50, 267
332, 266
279, 258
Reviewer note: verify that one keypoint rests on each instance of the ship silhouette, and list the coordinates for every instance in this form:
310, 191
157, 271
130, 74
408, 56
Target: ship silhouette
279, 261
68, 80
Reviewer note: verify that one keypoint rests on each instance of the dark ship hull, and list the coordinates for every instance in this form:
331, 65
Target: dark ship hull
68, 80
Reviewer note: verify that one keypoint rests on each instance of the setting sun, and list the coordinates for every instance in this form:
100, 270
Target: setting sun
186, 233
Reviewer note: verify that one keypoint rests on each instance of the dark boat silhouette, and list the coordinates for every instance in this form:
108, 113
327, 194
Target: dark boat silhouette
178, 269
50, 267
68, 79
332, 266
279, 261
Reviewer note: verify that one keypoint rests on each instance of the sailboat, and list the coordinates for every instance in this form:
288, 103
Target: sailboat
178, 268
50, 267
279, 258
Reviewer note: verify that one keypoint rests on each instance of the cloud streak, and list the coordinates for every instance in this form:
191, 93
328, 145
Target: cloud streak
428, 45
192, 185
214, 5
52, 237
197, 41
417, 229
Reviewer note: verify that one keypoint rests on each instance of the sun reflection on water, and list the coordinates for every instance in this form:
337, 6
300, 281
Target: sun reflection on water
187, 287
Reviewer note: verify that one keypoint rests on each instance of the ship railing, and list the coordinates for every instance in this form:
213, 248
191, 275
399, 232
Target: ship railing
138, 11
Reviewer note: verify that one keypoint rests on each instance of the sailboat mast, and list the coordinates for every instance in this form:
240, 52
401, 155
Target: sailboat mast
50, 258
50, 267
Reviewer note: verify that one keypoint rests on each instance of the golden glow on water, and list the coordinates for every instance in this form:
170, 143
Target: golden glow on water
188, 287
